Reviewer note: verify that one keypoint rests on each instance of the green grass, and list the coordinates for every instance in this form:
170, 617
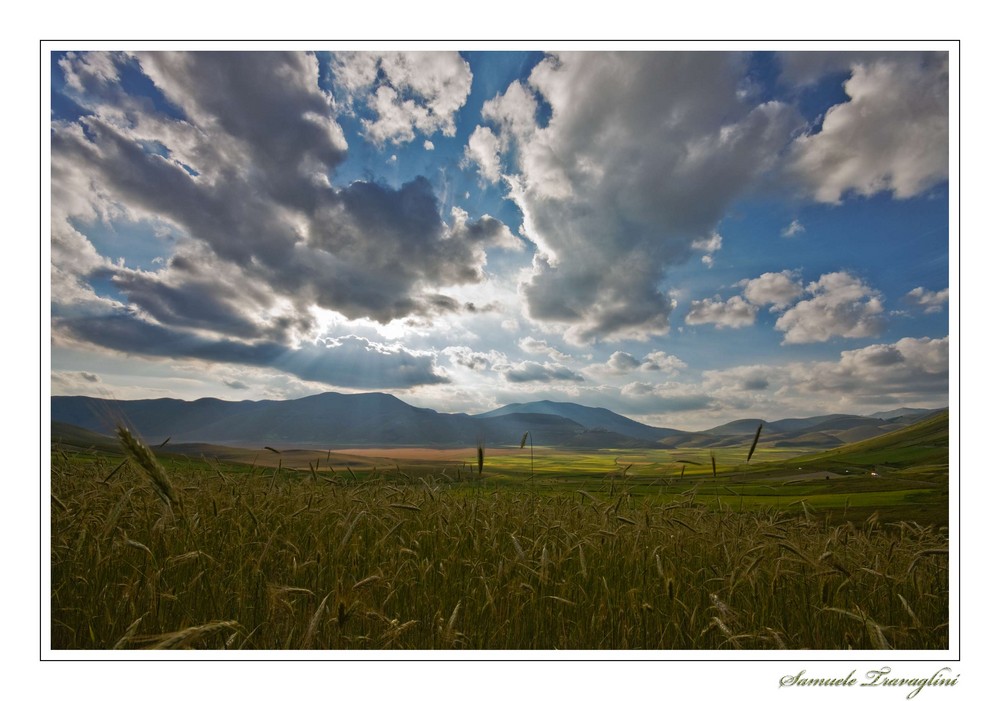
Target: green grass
924, 443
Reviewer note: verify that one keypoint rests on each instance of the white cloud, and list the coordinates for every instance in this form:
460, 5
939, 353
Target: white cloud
414, 92
90, 72
356, 71
483, 150
540, 347
734, 313
428, 145
710, 245
841, 305
513, 112
622, 362
793, 229
892, 134
639, 389
908, 367
513, 115
929, 300
775, 289
659, 361
909, 372
636, 163
474, 360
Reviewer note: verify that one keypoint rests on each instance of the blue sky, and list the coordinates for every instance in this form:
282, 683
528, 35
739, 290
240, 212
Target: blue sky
683, 238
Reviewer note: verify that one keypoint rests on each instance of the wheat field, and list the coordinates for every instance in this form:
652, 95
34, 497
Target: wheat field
265, 559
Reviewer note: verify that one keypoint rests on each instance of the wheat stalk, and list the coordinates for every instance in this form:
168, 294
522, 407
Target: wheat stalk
755, 439
142, 457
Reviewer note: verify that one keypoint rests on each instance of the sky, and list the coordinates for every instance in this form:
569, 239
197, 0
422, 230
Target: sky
683, 238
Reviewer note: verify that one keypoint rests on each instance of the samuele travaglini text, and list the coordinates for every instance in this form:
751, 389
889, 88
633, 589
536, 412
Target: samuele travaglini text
876, 678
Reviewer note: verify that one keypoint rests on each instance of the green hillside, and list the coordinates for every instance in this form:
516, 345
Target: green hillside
923, 444
69, 435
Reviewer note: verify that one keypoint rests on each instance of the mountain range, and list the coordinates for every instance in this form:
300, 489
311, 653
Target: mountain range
382, 420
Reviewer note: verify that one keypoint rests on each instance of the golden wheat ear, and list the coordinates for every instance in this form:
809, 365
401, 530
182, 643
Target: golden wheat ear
142, 457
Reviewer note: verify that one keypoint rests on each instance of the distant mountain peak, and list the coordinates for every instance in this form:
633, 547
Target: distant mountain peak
381, 419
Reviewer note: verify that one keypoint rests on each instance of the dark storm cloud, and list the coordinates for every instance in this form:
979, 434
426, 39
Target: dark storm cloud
266, 104
376, 249
240, 168
191, 295
343, 362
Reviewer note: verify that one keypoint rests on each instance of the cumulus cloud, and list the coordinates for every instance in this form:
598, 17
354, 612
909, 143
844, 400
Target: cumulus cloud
540, 347
636, 163
775, 289
88, 72
514, 115
928, 300
483, 150
530, 371
485, 231
238, 168
659, 361
866, 145
639, 389
840, 305
910, 367
514, 112
911, 372
710, 245
734, 313
406, 93
622, 363
474, 360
